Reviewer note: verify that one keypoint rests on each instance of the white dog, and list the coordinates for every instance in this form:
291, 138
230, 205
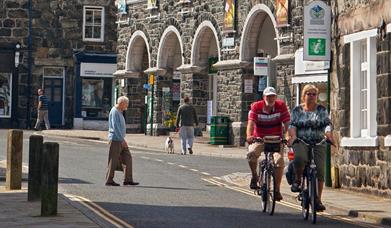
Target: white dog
169, 145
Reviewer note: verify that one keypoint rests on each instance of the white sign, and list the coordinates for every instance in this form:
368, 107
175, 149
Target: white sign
261, 66
228, 42
97, 69
248, 86
209, 111
166, 89
316, 65
176, 75
317, 26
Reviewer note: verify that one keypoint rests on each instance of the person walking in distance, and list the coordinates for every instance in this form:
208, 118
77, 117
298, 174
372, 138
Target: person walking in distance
119, 154
43, 112
267, 117
186, 118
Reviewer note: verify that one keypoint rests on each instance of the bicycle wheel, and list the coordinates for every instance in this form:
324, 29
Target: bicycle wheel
271, 192
313, 196
304, 197
264, 192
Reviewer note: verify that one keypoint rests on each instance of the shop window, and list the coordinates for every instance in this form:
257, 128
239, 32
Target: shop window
5, 94
93, 23
96, 98
363, 91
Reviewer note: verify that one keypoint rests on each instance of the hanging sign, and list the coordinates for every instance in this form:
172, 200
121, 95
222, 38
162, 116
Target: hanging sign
317, 26
229, 15
282, 12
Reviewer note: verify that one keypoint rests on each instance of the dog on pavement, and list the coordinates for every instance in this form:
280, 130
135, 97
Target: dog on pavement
169, 146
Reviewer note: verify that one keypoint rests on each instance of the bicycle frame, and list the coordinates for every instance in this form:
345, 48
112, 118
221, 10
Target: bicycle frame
310, 180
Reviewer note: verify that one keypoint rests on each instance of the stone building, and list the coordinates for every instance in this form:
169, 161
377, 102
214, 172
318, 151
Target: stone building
67, 39
361, 94
192, 49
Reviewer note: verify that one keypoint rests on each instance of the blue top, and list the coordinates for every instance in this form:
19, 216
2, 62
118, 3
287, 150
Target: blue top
44, 102
310, 126
117, 125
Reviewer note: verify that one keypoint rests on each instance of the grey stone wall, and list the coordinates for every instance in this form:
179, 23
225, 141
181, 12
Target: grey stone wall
56, 34
360, 168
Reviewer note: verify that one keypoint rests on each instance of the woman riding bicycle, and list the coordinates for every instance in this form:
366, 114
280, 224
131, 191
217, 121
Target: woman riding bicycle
311, 123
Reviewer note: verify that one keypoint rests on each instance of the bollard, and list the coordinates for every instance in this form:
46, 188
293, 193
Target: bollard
14, 160
35, 164
49, 181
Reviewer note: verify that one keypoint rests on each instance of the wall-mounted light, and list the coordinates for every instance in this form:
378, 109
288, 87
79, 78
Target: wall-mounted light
17, 54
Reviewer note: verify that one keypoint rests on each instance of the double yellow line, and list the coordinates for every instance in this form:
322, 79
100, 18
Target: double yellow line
287, 204
98, 210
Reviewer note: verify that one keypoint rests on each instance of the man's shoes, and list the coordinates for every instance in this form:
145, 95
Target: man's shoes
130, 183
36, 129
254, 183
278, 196
190, 151
319, 206
111, 184
295, 187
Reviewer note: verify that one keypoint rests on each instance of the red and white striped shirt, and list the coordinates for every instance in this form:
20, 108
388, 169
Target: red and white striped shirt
268, 123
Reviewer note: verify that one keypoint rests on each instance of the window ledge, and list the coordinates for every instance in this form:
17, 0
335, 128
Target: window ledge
387, 140
360, 142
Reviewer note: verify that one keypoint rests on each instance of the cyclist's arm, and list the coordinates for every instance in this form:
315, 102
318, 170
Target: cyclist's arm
286, 128
291, 135
250, 130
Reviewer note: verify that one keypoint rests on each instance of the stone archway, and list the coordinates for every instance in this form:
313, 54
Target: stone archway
138, 55
137, 61
260, 39
205, 52
169, 58
259, 32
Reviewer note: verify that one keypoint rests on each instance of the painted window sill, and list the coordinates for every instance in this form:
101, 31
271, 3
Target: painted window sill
360, 142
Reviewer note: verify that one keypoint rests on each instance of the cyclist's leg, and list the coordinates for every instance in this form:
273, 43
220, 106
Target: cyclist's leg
301, 158
279, 171
320, 159
254, 151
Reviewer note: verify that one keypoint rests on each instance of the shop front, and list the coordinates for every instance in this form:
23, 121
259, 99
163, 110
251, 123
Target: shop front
94, 90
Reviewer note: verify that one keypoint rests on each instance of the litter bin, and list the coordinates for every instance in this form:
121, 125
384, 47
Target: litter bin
219, 130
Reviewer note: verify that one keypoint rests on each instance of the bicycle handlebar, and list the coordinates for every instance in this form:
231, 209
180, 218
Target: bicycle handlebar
261, 140
325, 140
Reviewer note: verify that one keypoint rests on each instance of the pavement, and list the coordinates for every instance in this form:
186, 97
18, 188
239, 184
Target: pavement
340, 202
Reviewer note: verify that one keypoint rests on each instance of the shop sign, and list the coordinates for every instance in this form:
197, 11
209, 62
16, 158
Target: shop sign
261, 66
228, 42
248, 86
317, 26
97, 69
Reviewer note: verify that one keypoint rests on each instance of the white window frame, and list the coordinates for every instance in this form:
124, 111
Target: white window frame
362, 137
102, 28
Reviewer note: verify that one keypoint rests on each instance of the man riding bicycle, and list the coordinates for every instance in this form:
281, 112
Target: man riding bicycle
267, 117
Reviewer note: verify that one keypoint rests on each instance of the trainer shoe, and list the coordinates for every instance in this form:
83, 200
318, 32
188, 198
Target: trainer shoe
190, 150
295, 187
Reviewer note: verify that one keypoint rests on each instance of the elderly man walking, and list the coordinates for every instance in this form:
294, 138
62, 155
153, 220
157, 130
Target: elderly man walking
119, 153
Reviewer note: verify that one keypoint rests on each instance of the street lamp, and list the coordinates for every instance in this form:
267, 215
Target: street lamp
17, 54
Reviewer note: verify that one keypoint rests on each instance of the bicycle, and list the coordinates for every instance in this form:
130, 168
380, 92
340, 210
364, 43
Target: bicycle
309, 184
266, 180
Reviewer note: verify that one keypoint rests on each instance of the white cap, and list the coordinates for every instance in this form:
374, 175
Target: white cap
269, 91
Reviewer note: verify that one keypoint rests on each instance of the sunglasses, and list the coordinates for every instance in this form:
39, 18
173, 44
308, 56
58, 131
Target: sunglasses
310, 94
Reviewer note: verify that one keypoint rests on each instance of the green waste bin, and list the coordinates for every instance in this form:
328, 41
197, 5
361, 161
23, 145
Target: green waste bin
219, 130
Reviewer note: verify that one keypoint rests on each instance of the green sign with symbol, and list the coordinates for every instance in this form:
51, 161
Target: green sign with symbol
316, 47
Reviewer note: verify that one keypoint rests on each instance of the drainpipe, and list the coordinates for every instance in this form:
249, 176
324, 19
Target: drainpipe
30, 59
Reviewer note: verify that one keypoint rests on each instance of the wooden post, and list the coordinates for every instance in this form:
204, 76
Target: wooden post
49, 181
14, 160
35, 165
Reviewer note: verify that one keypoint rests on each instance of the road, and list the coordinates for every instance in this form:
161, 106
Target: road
174, 191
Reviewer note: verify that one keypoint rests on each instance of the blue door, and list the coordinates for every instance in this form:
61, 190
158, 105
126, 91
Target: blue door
54, 91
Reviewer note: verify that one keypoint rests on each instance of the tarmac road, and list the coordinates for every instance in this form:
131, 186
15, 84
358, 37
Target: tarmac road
174, 191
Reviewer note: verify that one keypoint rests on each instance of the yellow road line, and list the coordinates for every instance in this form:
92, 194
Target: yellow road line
288, 204
104, 214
